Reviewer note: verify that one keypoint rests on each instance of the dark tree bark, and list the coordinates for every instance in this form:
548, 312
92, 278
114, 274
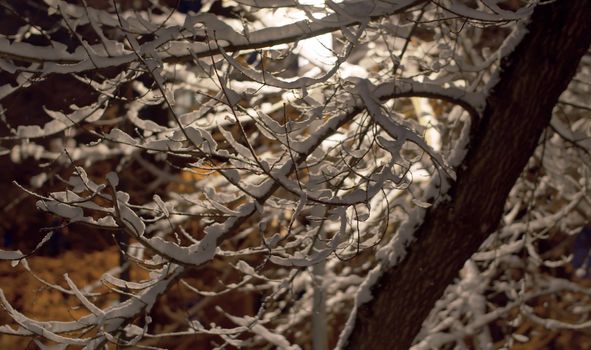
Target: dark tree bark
532, 78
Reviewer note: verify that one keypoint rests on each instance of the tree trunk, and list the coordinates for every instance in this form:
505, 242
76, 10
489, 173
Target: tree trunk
518, 110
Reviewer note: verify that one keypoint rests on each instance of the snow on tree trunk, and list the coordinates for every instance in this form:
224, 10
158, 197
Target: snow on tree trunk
518, 109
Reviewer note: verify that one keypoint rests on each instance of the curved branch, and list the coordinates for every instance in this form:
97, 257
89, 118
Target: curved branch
62, 62
544, 62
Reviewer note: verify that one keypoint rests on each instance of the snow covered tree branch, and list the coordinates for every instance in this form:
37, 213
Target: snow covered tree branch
507, 134
255, 166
